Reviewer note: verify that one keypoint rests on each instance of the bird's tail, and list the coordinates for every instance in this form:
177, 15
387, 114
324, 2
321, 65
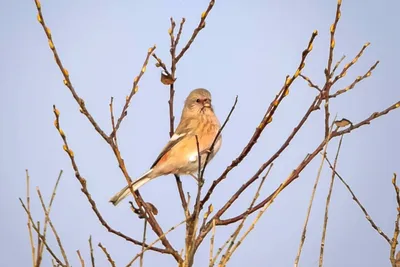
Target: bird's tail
117, 198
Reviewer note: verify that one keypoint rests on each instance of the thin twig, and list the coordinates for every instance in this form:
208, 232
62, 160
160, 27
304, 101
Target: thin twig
40, 236
80, 258
328, 73
196, 31
65, 73
328, 200
110, 260
367, 216
231, 240
48, 220
396, 225
264, 122
310, 83
91, 252
332, 40
217, 137
355, 82
251, 227
84, 189
303, 235
143, 241
192, 224
211, 262
348, 65
134, 90
28, 201
295, 174
39, 252
337, 65
153, 243
154, 224
113, 119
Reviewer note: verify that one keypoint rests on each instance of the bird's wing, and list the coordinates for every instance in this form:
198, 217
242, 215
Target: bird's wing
182, 130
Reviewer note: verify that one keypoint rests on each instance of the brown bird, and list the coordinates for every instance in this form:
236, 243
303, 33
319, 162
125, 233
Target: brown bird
180, 154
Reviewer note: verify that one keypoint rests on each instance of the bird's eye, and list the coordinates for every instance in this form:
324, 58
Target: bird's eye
198, 100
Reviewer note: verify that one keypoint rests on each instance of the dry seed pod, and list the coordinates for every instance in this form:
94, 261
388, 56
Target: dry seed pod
343, 123
167, 79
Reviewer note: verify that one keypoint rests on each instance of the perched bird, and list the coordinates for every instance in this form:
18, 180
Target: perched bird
180, 154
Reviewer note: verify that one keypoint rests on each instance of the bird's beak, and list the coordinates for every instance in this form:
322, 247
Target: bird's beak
207, 105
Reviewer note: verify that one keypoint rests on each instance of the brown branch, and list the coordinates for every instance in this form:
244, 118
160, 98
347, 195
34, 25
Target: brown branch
211, 262
332, 40
355, 82
264, 122
192, 223
314, 106
85, 191
39, 252
216, 139
337, 65
178, 36
196, 31
295, 174
231, 240
328, 73
48, 221
368, 120
348, 65
328, 200
134, 90
47, 218
154, 242
80, 258
396, 225
113, 120
143, 241
310, 83
303, 234
40, 236
154, 224
65, 73
29, 221
91, 252
251, 227
367, 216
110, 260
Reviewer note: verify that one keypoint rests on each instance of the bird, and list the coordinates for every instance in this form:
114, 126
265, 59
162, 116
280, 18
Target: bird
195, 134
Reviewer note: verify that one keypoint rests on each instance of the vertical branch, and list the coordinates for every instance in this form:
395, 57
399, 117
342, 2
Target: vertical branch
328, 72
39, 252
91, 252
332, 39
328, 200
191, 227
143, 241
303, 235
211, 262
28, 201
396, 225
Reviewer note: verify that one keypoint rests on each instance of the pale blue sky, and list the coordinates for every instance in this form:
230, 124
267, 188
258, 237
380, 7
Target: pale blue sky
246, 49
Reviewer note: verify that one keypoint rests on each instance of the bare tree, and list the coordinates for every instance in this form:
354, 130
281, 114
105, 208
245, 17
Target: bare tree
201, 222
